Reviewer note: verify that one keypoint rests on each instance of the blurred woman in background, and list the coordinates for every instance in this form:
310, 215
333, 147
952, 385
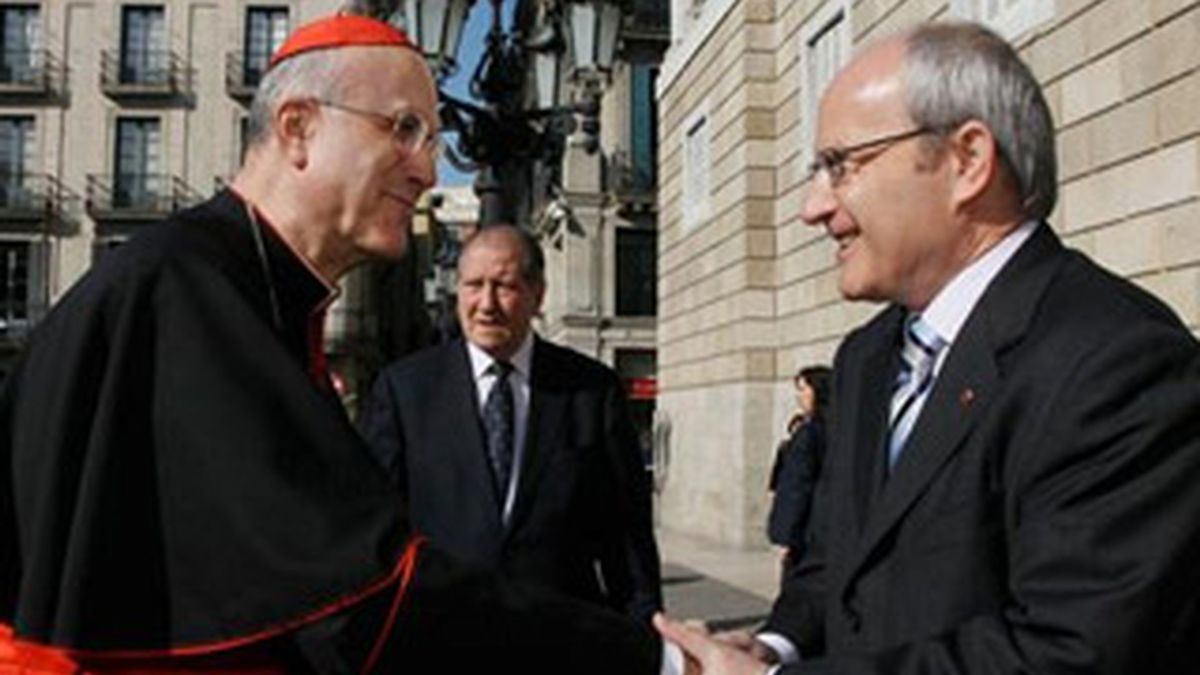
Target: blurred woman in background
798, 462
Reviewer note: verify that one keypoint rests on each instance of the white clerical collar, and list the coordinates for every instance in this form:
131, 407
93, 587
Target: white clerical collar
950, 308
521, 361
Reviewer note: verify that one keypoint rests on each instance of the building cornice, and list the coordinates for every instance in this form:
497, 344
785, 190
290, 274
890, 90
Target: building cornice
681, 52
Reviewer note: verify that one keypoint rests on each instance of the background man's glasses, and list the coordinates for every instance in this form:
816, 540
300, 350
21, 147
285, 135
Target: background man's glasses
833, 161
409, 130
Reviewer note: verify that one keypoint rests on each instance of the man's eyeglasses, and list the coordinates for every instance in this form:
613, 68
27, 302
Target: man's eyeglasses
409, 130
833, 160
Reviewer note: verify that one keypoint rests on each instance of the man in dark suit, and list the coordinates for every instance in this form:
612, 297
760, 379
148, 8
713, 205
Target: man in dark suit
1015, 440
516, 455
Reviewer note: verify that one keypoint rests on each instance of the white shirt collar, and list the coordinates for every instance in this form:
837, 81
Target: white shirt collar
521, 361
950, 308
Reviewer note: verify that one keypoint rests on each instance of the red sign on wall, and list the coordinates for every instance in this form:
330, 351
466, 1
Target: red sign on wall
641, 388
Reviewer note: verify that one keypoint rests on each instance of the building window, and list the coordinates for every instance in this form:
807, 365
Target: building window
637, 272
16, 156
1012, 19
22, 285
243, 138
825, 49
695, 170
144, 58
20, 55
643, 132
638, 370
651, 15
138, 182
266, 29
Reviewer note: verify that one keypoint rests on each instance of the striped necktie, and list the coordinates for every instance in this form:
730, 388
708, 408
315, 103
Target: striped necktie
917, 358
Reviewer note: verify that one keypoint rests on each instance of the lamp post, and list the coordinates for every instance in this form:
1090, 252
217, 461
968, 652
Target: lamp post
519, 119
521, 115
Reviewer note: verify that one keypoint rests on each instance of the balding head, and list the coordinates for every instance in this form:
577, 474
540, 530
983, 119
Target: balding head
343, 146
915, 186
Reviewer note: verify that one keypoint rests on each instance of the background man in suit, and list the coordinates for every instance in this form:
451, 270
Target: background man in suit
1012, 480
516, 455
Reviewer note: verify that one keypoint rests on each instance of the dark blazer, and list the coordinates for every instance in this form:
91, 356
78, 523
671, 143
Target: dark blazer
1045, 514
581, 522
793, 480
176, 489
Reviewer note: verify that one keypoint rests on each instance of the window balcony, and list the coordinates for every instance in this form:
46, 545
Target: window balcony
136, 198
648, 20
634, 186
241, 78
30, 202
146, 76
30, 75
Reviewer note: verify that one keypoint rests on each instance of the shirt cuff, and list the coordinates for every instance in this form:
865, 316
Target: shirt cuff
672, 661
783, 648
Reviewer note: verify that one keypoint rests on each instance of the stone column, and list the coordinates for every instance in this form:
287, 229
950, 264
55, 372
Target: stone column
581, 271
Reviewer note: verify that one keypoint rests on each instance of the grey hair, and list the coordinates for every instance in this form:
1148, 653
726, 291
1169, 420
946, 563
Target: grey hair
378, 9
955, 72
533, 260
314, 74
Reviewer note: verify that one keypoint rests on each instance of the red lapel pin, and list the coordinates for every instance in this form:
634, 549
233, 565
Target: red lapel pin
966, 397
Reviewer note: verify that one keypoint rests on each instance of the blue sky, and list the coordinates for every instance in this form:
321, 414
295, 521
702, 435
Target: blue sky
474, 35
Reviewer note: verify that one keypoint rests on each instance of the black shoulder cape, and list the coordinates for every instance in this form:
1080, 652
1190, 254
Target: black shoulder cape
170, 478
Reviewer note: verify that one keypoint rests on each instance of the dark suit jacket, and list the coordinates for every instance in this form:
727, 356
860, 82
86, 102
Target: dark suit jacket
1045, 514
582, 507
793, 481
176, 493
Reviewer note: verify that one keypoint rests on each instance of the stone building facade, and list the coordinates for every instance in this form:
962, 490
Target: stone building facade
600, 228
747, 293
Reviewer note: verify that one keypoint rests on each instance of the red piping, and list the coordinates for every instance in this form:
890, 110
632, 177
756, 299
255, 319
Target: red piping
403, 572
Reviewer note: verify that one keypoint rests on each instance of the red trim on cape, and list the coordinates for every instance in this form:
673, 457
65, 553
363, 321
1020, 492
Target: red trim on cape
21, 657
25, 658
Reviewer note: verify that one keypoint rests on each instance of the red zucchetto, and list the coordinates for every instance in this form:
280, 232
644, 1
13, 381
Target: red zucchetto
340, 30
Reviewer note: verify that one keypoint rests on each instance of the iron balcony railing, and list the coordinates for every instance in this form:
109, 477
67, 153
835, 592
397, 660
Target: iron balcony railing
29, 72
242, 78
627, 179
649, 19
151, 73
34, 198
137, 196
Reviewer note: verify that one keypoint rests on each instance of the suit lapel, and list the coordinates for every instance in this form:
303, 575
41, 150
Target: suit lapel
967, 383
948, 416
546, 428
869, 426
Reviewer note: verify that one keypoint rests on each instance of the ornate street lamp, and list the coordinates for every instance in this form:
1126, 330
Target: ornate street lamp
513, 127
547, 47
436, 26
594, 25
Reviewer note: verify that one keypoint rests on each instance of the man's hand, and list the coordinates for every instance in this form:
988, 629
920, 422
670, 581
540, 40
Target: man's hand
712, 656
746, 642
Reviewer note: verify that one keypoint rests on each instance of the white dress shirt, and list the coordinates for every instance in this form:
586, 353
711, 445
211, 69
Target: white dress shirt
518, 380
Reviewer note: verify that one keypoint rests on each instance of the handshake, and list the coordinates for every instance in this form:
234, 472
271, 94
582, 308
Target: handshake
727, 653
